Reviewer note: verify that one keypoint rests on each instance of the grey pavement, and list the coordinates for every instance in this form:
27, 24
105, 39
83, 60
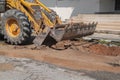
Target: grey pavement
111, 37
27, 69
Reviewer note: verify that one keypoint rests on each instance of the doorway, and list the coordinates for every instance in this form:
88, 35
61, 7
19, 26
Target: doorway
117, 5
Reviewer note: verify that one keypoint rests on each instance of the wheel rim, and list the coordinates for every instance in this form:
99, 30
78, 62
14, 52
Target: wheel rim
12, 27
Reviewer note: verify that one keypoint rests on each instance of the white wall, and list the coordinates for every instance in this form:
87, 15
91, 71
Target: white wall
68, 8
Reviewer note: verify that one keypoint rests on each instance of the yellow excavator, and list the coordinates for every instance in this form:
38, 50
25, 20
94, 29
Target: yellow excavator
21, 18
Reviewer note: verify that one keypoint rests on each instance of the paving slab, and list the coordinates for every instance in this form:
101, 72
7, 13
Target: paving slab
111, 37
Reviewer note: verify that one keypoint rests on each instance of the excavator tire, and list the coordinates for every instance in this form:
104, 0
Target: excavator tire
16, 27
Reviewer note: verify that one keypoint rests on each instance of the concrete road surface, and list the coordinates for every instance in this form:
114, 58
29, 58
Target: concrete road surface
26, 69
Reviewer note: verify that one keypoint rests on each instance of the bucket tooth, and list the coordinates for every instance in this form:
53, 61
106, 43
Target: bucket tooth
40, 38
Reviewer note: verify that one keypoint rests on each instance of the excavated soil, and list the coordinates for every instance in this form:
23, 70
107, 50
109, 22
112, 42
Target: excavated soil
104, 50
77, 55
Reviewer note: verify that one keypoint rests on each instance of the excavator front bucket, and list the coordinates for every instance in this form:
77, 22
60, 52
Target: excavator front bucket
66, 32
71, 31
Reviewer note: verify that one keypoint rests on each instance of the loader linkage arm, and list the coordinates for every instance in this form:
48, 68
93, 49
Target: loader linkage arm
30, 7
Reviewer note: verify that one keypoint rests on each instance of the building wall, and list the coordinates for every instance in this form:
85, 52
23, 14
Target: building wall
107, 5
69, 8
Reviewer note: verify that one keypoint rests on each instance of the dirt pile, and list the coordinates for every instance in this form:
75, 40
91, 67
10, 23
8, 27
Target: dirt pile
104, 50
